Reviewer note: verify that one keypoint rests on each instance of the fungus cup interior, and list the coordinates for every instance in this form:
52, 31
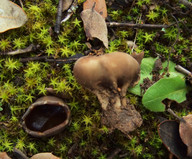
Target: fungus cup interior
44, 117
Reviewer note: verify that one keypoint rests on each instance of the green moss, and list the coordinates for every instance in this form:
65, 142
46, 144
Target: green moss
22, 83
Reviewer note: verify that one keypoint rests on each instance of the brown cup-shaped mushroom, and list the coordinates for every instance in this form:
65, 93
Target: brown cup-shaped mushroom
108, 77
46, 117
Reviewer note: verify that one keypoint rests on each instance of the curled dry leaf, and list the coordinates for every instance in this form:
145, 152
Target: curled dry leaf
169, 134
11, 16
185, 130
46, 155
94, 25
66, 4
100, 6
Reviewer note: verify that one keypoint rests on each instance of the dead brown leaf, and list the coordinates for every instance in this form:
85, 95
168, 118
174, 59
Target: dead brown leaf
100, 6
94, 25
185, 130
66, 4
11, 16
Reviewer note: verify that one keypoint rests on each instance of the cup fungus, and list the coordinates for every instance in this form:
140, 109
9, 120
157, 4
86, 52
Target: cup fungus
47, 116
108, 77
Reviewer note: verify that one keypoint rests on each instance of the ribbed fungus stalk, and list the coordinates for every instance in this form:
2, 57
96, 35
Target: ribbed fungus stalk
108, 77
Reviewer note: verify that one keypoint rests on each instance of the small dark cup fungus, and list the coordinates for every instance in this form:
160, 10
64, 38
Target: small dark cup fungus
46, 117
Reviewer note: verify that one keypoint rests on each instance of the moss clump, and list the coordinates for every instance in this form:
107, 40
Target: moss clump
22, 83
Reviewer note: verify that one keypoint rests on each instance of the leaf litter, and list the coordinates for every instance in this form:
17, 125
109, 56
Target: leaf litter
11, 16
95, 25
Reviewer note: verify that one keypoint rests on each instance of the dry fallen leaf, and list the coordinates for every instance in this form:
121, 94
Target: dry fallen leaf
66, 4
185, 130
169, 134
94, 25
11, 16
100, 6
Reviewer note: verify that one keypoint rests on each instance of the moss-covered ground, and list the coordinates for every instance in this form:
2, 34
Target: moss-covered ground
21, 83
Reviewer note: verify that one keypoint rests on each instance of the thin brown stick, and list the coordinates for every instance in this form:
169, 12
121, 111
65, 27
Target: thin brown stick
21, 3
51, 59
30, 48
183, 70
172, 46
114, 153
38, 58
141, 26
58, 19
135, 35
173, 113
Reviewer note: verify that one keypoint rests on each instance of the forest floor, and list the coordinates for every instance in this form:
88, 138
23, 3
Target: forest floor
161, 29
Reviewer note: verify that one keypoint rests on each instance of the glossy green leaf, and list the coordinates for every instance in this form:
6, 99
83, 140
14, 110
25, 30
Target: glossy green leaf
146, 72
146, 69
173, 88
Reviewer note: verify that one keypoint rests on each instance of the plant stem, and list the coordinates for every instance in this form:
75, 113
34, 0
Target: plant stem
141, 26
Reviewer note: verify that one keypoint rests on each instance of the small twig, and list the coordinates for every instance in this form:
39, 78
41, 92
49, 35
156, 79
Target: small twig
58, 19
51, 59
93, 7
141, 26
135, 36
133, 3
30, 48
124, 155
183, 70
19, 154
37, 58
70, 11
186, 3
21, 3
172, 46
114, 153
175, 115
58, 61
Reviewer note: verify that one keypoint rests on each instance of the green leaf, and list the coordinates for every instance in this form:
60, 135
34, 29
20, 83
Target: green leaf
146, 69
173, 88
